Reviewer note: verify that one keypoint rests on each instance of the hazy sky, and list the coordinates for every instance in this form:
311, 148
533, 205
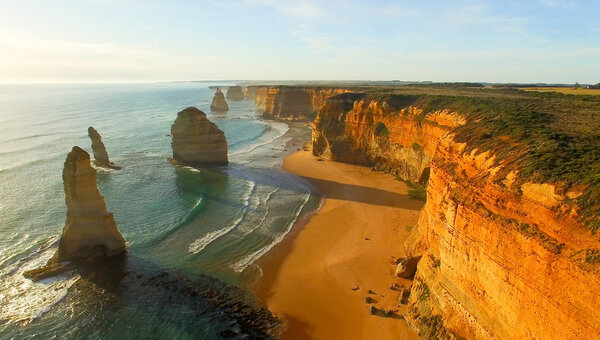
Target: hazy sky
439, 40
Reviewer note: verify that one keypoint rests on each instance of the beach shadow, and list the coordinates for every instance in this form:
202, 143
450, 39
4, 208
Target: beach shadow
363, 194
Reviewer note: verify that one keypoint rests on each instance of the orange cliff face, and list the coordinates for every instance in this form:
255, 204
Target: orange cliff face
501, 258
290, 102
351, 128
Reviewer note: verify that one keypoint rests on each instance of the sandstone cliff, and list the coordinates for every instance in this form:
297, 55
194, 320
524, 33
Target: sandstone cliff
503, 254
219, 104
90, 230
387, 134
235, 93
250, 92
100, 154
291, 102
197, 140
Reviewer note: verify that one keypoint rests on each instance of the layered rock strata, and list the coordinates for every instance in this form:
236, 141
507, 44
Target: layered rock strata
90, 230
500, 258
291, 102
235, 93
197, 140
99, 150
387, 134
219, 104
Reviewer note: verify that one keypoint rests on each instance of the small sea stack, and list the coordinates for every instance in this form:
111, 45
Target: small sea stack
90, 230
235, 93
99, 150
219, 104
197, 140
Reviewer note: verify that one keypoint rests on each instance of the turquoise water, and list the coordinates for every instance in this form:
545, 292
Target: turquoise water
176, 219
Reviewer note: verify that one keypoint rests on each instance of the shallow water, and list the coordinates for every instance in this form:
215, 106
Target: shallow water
176, 219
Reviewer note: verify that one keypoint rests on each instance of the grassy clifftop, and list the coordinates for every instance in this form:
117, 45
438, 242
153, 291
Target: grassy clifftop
548, 137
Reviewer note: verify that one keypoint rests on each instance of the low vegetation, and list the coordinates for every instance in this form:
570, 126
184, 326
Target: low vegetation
415, 190
548, 137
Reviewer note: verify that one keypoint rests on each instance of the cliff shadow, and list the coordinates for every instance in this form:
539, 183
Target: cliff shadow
364, 194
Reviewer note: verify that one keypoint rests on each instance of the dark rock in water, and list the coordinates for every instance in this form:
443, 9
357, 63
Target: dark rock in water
164, 303
235, 93
52, 268
197, 140
219, 104
100, 154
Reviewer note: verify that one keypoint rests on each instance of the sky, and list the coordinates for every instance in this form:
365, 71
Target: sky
552, 41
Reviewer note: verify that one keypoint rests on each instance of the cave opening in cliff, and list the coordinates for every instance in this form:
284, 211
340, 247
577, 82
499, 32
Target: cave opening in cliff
424, 178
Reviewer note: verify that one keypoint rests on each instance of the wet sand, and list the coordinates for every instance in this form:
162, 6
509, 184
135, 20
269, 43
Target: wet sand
318, 278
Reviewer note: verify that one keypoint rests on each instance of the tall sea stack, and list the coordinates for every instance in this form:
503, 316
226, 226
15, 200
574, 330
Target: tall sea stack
219, 104
90, 230
197, 140
235, 93
100, 154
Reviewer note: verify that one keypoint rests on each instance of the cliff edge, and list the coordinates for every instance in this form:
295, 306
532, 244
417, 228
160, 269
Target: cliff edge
506, 246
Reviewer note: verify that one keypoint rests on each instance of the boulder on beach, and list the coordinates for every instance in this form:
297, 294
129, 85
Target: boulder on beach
90, 230
219, 104
235, 93
99, 150
407, 266
197, 140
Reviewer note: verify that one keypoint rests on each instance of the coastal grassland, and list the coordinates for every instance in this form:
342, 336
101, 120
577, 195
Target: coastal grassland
564, 90
546, 136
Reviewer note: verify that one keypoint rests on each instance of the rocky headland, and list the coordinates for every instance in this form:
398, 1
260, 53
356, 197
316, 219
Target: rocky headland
291, 102
219, 104
99, 150
197, 140
506, 246
235, 93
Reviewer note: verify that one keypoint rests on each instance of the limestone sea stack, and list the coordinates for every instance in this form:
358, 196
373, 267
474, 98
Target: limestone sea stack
219, 104
235, 93
90, 230
100, 154
197, 140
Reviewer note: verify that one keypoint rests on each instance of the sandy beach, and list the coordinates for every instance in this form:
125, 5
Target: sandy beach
319, 277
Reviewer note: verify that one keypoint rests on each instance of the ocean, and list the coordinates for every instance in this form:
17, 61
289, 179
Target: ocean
192, 233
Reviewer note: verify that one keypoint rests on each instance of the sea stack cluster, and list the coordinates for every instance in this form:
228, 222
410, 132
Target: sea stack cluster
219, 104
235, 93
197, 140
100, 154
90, 230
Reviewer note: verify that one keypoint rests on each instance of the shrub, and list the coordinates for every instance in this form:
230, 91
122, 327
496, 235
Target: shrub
381, 130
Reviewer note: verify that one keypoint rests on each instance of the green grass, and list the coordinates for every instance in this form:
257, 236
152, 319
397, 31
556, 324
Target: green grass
565, 90
415, 190
548, 137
